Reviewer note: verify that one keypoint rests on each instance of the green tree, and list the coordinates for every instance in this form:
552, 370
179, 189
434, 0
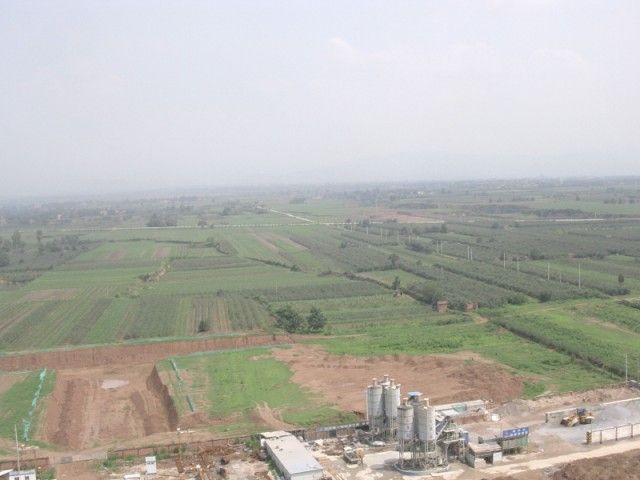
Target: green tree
39, 235
443, 228
394, 259
16, 240
203, 326
288, 319
396, 283
620, 279
316, 320
4, 259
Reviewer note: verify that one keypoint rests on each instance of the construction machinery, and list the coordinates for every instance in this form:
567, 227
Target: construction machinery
582, 417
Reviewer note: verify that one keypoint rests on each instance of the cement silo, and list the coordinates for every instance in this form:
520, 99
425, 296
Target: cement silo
375, 407
405, 422
426, 422
391, 404
391, 400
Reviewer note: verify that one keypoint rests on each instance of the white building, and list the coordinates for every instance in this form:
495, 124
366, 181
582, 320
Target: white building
291, 457
18, 475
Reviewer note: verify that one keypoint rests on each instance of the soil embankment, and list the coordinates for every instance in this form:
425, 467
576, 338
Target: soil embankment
130, 354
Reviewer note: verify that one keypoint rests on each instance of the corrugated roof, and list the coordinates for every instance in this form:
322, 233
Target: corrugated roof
292, 455
274, 434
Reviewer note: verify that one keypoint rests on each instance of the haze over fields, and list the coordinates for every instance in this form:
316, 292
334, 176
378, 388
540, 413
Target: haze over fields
104, 96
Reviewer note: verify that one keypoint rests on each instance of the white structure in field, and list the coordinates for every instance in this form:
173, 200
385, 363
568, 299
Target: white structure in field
18, 475
150, 464
291, 457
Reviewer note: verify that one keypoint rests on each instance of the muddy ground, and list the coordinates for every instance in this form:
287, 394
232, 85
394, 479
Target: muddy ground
342, 379
91, 407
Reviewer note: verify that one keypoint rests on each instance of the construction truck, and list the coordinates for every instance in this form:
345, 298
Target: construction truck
582, 417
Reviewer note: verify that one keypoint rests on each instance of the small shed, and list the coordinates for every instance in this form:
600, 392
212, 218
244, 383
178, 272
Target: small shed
470, 307
22, 475
441, 306
490, 453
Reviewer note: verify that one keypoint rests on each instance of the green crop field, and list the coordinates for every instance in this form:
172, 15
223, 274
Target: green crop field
23, 402
217, 265
234, 384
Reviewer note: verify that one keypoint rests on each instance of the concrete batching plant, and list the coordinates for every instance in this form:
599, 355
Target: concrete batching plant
424, 433
424, 436
383, 400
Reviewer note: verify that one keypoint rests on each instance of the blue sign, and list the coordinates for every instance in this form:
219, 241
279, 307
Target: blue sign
515, 433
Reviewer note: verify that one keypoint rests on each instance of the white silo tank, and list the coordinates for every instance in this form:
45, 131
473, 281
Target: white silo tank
421, 423
391, 400
405, 422
431, 423
375, 407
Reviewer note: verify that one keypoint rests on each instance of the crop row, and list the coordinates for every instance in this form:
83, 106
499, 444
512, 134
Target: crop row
457, 289
311, 292
509, 279
352, 255
588, 342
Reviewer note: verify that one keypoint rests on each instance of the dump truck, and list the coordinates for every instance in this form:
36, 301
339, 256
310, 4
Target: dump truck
582, 416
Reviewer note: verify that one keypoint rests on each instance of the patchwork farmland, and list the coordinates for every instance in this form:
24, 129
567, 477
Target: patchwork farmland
131, 313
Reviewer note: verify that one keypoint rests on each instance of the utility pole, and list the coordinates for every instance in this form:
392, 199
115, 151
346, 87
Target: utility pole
471, 252
15, 430
579, 277
548, 272
626, 368
504, 260
517, 264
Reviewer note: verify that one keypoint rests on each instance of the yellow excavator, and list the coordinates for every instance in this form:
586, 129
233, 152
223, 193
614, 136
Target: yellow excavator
582, 416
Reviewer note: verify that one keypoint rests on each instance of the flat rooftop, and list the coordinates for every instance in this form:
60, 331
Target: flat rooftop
291, 454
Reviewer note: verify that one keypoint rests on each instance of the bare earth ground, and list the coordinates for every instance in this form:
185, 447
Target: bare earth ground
89, 407
271, 417
342, 379
624, 465
79, 471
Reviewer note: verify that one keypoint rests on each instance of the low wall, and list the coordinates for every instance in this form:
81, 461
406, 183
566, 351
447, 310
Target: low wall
25, 463
132, 353
612, 434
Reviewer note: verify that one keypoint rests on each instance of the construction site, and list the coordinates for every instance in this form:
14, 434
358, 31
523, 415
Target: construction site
409, 426
405, 436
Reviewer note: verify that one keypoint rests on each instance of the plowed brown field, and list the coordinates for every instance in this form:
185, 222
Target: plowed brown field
342, 379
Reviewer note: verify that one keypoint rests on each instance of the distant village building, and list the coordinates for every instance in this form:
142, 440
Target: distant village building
470, 307
441, 306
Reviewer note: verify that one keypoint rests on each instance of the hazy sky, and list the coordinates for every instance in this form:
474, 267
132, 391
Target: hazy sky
118, 95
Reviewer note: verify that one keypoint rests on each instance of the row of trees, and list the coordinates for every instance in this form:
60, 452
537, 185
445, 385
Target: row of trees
163, 220
292, 321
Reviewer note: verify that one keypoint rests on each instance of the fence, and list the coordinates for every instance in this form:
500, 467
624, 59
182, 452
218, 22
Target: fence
25, 463
170, 449
610, 434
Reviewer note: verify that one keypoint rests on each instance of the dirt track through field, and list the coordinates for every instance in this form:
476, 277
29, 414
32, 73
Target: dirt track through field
92, 407
342, 379
131, 354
